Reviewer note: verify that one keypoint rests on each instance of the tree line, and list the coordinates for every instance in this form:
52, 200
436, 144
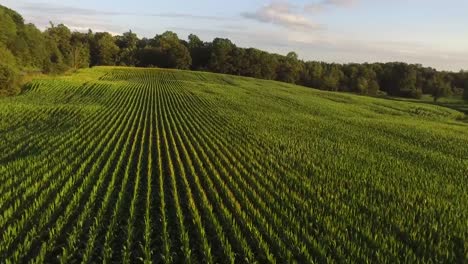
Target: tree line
25, 49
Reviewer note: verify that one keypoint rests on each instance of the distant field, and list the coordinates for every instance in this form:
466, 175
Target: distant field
454, 102
147, 165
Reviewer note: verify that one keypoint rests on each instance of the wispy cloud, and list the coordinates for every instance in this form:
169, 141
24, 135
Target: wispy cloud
77, 23
283, 14
53, 9
286, 14
324, 5
82, 18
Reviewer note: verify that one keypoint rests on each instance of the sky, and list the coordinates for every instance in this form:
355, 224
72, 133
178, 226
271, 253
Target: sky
430, 32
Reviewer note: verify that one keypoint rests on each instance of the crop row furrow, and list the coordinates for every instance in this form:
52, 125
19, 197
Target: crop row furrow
75, 142
84, 160
205, 247
234, 204
109, 251
109, 168
52, 166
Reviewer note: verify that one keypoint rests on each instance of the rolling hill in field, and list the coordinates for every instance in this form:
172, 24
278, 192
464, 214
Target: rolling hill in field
150, 165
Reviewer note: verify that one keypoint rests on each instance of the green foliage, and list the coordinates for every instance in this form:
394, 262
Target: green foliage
9, 74
105, 49
36, 45
331, 78
127, 165
54, 62
173, 54
165, 51
360, 78
60, 35
221, 58
289, 68
199, 52
25, 42
399, 79
149, 57
7, 28
256, 63
465, 91
80, 50
312, 74
6, 56
440, 87
127, 44
52, 51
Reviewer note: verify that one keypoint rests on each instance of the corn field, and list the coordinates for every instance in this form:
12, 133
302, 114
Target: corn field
120, 165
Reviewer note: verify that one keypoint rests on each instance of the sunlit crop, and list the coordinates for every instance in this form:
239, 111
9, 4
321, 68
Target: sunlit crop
148, 165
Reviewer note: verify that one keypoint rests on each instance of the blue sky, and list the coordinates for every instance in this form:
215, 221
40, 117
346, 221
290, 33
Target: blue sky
430, 32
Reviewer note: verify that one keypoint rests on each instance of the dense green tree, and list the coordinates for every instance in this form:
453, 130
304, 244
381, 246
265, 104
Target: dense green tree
173, 53
332, 77
373, 87
37, 50
7, 28
399, 79
19, 47
221, 56
143, 43
54, 61
405, 78
61, 36
104, 49
247, 62
127, 44
252, 63
363, 80
289, 68
80, 55
149, 57
440, 87
312, 74
200, 52
80, 50
425, 77
194, 42
9, 74
361, 85
350, 79
25, 42
268, 65
241, 63
465, 91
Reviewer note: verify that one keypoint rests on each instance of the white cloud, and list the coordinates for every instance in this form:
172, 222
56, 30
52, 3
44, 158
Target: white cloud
283, 14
